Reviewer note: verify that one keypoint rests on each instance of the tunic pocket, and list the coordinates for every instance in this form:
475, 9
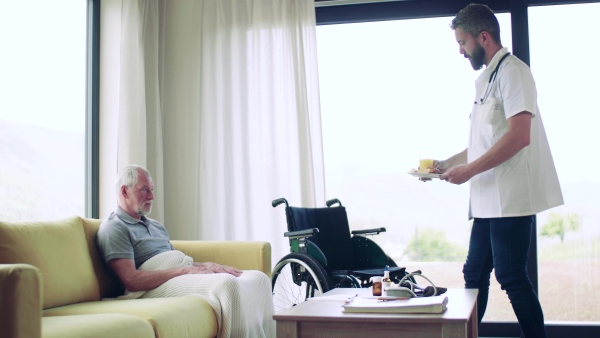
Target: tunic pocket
492, 111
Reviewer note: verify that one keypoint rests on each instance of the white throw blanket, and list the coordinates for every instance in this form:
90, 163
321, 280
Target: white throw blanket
243, 305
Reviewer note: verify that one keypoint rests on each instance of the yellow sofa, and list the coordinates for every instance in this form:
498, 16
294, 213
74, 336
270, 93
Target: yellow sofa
52, 280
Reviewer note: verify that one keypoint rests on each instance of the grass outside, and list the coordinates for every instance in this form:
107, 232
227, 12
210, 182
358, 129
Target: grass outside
568, 290
568, 283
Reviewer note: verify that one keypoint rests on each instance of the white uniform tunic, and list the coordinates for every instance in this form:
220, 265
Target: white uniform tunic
527, 183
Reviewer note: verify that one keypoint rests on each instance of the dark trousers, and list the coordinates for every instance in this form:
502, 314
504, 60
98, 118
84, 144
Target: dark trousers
503, 244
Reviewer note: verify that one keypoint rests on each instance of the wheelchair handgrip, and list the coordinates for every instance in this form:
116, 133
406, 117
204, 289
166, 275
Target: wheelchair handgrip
278, 201
332, 202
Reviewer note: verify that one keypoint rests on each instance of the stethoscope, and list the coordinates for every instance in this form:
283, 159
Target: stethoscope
488, 88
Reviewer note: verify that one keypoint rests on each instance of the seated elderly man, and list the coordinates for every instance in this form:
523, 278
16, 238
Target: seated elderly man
139, 252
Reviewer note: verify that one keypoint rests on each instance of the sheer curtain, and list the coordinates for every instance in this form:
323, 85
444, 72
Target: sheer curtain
140, 117
219, 99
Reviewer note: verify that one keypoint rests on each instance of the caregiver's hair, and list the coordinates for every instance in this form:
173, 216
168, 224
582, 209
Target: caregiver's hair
476, 18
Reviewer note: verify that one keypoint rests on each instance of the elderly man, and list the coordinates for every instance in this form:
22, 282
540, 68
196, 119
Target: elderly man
139, 252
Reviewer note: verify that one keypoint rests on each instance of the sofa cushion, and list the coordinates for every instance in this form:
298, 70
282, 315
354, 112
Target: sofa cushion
181, 317
60, 251
96, 326
108, 283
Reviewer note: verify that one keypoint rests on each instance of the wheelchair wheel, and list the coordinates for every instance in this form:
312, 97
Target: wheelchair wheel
345, 281
296, 278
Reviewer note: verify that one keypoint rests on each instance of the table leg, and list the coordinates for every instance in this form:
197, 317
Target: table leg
287, 329
473, 326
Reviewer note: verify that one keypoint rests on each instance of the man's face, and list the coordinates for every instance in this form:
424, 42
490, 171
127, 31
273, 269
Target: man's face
139, 197
470, 48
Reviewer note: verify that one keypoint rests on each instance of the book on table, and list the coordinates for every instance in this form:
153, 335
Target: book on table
435, 304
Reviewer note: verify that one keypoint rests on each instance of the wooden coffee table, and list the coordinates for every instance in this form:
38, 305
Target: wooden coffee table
326, 319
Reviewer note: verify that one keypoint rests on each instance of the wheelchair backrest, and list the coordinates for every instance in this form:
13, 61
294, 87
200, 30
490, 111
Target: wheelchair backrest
333, 237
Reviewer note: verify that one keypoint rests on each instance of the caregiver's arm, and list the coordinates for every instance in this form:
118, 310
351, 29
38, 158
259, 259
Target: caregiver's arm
516, 138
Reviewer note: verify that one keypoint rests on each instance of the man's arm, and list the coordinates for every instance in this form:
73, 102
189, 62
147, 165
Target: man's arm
458, 159
516, 138
140, 280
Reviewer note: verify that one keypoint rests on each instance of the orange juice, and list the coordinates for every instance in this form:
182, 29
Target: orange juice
425, 163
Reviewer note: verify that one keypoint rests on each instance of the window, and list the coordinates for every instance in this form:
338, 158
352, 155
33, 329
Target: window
396, 91
393, 92
42, 109
569, 236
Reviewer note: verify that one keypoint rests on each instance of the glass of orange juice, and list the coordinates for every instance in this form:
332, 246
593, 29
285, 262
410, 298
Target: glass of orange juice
425, 163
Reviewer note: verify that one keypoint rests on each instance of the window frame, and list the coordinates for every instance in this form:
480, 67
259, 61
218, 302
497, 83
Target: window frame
92, 113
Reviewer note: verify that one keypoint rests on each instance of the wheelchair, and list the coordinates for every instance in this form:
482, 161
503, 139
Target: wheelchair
325, 254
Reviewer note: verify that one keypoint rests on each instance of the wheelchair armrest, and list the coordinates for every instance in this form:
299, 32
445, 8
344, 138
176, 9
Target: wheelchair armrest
375, 231
301, 233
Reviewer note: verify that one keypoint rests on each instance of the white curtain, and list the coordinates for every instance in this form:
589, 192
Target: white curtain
140, 131
219, 99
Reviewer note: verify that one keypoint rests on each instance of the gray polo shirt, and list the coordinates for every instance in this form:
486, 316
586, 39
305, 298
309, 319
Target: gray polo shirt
122, 236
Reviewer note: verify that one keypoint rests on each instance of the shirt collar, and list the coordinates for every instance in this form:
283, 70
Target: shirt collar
125, 217
485, 74
494, 62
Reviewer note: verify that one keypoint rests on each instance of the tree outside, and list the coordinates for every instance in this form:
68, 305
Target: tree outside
431, 245
558, 224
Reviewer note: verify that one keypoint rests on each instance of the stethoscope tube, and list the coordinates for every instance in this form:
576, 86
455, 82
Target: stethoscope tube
492, 78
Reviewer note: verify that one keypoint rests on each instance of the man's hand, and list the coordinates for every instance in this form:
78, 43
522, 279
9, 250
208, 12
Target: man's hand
457, 175
439, 167
210, 267
442, 167
516, 138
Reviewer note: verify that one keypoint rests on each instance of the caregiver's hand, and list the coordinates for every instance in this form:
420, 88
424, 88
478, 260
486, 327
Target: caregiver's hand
457, 175
439, 167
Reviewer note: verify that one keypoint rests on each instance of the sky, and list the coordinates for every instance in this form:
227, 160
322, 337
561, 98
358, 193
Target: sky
42, 71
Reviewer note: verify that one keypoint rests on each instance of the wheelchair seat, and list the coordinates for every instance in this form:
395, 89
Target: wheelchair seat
342, 254
325, 255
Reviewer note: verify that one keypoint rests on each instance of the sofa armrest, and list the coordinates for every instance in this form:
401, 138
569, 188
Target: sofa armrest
244, 255
20, 301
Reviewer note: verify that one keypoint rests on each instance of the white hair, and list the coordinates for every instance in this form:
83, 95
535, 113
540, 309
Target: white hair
128, 176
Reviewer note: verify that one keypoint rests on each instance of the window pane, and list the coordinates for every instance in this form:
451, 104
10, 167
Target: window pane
42, 109
569, 236
391, 93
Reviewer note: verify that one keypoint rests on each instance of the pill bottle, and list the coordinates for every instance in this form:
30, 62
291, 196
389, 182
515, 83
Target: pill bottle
377, 286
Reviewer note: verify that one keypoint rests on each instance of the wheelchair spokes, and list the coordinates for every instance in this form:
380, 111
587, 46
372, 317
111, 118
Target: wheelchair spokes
296, 278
